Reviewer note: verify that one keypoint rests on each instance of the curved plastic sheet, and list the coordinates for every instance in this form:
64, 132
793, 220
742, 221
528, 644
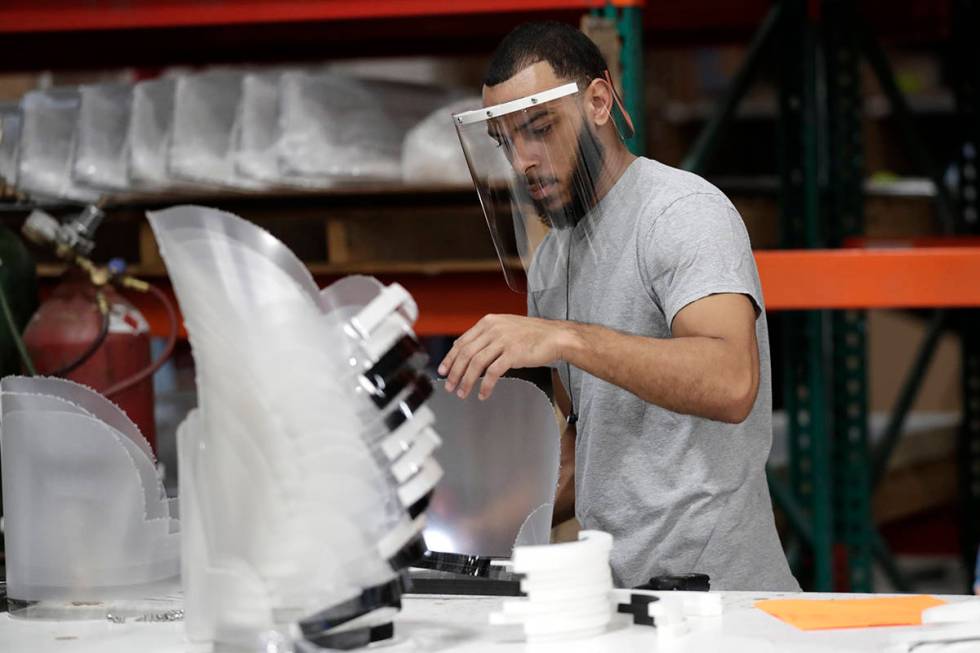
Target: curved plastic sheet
501, 469
236, 229
243, 278
539, 169
348, 295
62, 473
156, 504
94, 403
293, 497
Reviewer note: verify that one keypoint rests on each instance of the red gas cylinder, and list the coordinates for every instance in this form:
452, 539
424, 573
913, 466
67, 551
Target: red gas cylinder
67, 323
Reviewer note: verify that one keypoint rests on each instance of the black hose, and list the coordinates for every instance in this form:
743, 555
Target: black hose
64, 370
8, 316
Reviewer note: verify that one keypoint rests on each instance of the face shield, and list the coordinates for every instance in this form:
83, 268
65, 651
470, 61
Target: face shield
535, 162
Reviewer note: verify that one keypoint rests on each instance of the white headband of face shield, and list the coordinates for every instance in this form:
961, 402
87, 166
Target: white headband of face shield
498, 110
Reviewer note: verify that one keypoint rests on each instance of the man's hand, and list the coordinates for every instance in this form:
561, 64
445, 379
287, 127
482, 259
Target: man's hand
496, 344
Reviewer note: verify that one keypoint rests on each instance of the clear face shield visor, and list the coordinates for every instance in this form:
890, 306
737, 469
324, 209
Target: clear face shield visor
535, 162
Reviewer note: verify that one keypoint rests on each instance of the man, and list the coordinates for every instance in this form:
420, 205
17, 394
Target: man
643, 293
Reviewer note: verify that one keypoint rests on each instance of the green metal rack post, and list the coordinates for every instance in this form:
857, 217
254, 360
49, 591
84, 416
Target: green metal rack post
803, 352
966, 19
853, 525
629, 24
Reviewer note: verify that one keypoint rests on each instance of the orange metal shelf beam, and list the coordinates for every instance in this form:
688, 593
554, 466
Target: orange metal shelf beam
21, 16
914, 277
928, 277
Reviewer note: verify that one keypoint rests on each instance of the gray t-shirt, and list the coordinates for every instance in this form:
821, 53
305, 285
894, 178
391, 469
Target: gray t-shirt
678, 493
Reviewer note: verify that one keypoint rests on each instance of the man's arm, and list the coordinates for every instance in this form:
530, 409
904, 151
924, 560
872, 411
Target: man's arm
709, 368
565, 493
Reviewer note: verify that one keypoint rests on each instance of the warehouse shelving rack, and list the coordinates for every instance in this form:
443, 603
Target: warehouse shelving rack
833, 471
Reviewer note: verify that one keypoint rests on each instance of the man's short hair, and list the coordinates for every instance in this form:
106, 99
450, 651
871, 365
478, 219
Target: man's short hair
571, 53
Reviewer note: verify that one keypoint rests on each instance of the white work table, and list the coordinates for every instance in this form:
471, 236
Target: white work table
459, 624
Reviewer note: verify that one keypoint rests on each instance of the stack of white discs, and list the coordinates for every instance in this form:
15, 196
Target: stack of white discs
568, 589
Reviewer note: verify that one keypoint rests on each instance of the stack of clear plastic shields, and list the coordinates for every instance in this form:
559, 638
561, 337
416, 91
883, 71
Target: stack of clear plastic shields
256, 133
10, 127
343, 129
431, 152
501, 457
89, 529
204, 123
149, 132
294, 466
100, 152
47, 145
538, 168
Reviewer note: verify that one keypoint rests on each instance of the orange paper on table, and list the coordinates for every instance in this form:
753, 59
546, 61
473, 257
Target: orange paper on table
818, 614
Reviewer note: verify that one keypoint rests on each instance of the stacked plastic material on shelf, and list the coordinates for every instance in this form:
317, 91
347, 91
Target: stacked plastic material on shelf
11, 120
568, 586
431, 153
148, 133
87, 521
227, 128
306, 470
343, 129
100, 150
202, 148
48, 133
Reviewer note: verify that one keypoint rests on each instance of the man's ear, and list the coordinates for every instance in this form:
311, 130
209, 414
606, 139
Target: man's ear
599, 101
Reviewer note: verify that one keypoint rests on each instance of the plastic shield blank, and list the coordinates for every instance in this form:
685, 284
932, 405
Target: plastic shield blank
10, 128
63, 474
202, 143
149, 133
346, 128
47, 145
100, 151
501, 461
431, 153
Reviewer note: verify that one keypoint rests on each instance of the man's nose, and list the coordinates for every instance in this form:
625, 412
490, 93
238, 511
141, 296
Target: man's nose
522, 160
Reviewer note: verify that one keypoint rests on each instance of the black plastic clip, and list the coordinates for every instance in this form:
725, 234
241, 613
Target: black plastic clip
639, 607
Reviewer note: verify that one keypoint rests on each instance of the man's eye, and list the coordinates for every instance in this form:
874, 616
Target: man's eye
541, 130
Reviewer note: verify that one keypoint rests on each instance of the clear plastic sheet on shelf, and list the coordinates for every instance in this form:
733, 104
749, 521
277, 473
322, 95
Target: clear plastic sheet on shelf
103, 120
149, 133
202, 143
337, 128
257, 130
11, 121
50, 119
431, 153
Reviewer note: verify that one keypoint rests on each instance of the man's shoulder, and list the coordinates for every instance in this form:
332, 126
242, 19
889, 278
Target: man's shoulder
666, 187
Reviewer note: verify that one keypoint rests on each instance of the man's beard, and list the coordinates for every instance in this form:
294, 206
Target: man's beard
589, 159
